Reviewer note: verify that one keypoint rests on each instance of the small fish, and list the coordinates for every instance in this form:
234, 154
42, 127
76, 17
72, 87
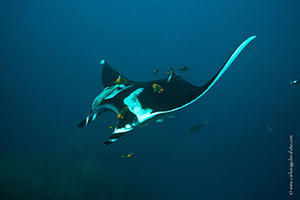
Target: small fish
112, 127
270, 129
169, 115
196, 128
183, 69
160, 119
157, 88
128, 156
122, 112
295, 82
120, 81
155, 72
170, 71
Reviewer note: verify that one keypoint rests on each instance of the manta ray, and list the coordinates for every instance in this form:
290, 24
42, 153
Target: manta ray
138, 103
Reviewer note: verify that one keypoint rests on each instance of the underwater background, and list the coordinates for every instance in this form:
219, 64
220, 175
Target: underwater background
50, 74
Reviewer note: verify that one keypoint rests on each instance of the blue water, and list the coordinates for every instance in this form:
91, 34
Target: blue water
50, 73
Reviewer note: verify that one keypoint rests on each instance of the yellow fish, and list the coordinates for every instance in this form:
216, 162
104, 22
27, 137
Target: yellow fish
183, 69
128, 156
123, 112
112, 127
157, 88
155, 72
170, 71
120, 81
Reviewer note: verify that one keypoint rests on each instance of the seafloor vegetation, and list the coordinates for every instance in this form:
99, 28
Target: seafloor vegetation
71, 173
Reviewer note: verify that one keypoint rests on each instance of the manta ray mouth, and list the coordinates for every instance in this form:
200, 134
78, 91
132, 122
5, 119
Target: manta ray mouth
96, 112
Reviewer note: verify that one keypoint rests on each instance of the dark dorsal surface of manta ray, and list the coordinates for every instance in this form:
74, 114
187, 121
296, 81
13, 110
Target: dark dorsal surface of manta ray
138, 103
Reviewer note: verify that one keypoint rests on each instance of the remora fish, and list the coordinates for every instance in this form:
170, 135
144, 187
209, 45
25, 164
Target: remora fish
105, 93
143, 103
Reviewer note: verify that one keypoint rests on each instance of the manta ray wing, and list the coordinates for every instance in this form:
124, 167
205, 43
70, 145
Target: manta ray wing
179, 93
109, 76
